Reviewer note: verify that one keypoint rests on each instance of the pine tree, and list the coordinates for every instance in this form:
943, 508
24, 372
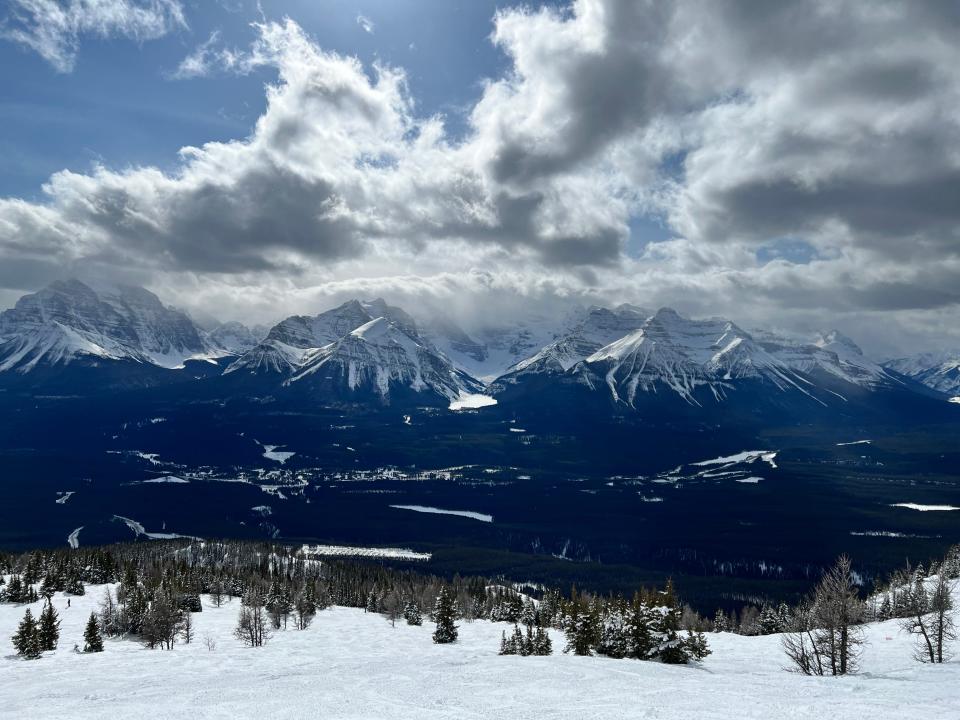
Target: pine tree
26, 640
444, 614
614, 636
524, 643
720, 622
15, 589
507, 645
48, 628
92, 640
528, 615
641, 623
695, 645
541, 642
670, 648
411, 613
768, 623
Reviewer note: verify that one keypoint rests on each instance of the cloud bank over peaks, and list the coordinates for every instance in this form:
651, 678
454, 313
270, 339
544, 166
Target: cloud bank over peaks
801, 158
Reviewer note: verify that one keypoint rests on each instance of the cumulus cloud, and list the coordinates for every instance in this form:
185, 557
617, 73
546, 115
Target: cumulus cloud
53, 28
802, 156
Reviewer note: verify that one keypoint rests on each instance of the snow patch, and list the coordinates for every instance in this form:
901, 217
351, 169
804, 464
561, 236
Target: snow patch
64, 496
166, 479
351, 551
854, 442
73, 539
925, 508
471, 401
271, 453
439, 511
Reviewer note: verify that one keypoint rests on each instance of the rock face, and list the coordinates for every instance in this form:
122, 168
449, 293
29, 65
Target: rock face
70, 322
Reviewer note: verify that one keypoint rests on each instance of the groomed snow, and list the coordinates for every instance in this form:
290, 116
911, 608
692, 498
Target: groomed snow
924, 508
472, 401
439, 511
351, 664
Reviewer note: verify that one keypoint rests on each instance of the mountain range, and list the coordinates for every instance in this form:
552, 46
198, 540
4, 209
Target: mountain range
623, 360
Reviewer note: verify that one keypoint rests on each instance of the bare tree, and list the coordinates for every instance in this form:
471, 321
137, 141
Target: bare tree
252, 625
837, 613
825, 636
216, 592
800, 642
186, 627
931, 617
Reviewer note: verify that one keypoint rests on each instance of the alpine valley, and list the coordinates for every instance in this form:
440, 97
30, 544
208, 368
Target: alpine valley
608, 445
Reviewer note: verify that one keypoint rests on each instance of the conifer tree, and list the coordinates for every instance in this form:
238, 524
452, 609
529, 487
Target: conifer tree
92, 640
26, 640
411, 613
720, 622
528, 615
541, 642
48, 628
444, 614
640, 627
507, 645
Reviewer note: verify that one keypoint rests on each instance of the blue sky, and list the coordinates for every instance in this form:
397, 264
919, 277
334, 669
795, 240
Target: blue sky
119, 105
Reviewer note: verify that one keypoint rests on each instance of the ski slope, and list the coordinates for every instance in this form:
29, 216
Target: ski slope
350, 664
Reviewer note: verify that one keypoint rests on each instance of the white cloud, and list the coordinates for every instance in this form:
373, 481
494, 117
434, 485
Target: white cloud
365, 23
823, 127
53, 28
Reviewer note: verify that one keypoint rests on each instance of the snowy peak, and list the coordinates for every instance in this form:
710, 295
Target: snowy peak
598, 327
69, 321
696, 359
939, 371
233, 338
381, 358
288, 344
837, 342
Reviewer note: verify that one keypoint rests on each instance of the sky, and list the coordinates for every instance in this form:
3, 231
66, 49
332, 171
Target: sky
791, 165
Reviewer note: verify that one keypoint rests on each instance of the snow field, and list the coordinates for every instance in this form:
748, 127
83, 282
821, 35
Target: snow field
350, 664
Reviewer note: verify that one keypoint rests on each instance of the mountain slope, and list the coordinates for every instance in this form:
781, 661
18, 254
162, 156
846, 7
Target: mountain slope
938, 371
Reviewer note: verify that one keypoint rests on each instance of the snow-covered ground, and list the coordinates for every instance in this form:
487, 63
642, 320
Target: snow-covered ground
349, 664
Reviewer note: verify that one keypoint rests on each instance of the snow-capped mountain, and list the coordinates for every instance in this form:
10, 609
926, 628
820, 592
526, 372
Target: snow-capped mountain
599, 327
493, 348
70, 322
700, 362
234, 338
289, 343
381, 358
938, 371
